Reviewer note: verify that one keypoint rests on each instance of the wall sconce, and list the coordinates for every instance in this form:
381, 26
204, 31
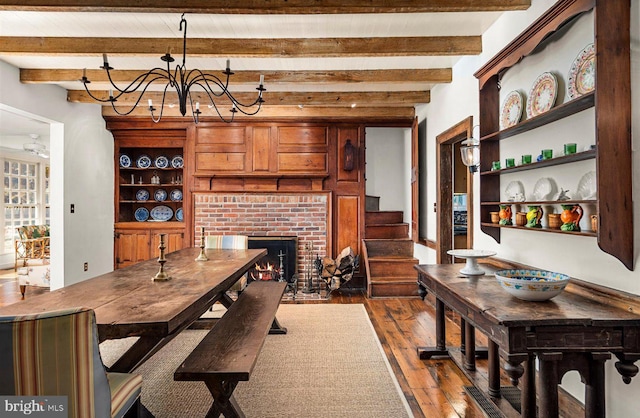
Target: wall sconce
349, 156
470, 153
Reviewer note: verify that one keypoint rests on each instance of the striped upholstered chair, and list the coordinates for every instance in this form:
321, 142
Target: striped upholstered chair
57, 354
230, 242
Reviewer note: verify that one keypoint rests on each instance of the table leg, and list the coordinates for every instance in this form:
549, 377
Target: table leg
549, 390
494, 370
594, 405
470, 347
528, 393
440, 349
463, 335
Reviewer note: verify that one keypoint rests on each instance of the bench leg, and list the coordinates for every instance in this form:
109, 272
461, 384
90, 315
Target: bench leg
223, 401
276, 328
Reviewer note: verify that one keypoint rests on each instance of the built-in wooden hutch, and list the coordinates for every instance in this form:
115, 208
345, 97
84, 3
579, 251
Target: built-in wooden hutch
612, 102
249, 157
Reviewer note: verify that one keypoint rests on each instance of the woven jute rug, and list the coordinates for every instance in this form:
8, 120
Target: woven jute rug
329, 364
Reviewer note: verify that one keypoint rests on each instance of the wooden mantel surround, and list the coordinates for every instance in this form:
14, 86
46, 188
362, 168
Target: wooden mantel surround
256, 156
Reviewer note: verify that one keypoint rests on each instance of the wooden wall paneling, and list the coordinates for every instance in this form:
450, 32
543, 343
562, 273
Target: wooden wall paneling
302, 136
220, 135
220, 161
348, 223
261, 138
303, 162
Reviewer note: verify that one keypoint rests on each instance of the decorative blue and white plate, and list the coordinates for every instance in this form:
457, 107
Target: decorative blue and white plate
177, 161
141, 214
162, 162
143, 161
142, 194
176, 195
160, 195
179, 215
161, 213
125, 161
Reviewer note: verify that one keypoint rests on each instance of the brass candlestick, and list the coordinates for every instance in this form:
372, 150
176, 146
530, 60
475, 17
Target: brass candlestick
202, 256
161, 275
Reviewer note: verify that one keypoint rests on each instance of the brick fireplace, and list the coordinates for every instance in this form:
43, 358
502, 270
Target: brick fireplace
304, 215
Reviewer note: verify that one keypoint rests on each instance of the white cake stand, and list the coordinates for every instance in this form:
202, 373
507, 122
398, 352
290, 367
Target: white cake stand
472, 256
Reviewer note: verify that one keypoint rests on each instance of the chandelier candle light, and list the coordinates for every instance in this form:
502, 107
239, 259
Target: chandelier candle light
184, 82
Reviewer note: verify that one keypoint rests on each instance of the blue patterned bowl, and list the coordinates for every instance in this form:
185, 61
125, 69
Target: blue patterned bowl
532, 285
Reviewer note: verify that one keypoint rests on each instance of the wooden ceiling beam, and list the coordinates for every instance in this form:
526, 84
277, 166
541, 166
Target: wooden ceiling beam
435, 75
328, 99
253, 48
267, 6
270, 113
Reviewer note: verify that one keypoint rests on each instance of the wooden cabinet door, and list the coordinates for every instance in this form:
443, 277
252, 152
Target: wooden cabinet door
173, 241
131, 247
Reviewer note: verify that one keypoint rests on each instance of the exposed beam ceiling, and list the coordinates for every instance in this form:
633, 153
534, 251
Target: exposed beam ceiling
314, 54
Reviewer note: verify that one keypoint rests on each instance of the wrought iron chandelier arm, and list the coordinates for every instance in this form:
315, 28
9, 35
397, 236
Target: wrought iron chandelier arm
143, 79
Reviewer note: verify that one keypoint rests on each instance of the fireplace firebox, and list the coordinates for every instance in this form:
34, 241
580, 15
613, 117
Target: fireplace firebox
281, 261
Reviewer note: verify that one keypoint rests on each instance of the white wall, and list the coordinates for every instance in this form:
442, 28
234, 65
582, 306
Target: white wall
575, 255
82, 174
388, 170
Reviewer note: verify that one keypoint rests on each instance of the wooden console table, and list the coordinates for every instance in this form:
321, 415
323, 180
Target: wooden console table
568, 332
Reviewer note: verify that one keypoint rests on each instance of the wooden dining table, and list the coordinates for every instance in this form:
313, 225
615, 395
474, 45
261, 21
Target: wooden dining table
128, 303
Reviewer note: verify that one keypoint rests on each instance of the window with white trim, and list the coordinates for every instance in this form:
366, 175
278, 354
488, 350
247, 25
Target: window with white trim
25, 190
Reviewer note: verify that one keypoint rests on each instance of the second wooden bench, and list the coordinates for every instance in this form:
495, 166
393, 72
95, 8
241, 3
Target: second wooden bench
228, 353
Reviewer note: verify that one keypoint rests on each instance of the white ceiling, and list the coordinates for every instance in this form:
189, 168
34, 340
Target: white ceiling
15, 22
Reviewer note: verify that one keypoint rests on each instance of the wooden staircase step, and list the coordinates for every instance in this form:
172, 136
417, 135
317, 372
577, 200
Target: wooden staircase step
389, 247
384, 217
400, 230
395, 279
392, 267
393, 289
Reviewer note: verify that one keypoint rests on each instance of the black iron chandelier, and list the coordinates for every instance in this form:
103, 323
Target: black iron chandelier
184, 82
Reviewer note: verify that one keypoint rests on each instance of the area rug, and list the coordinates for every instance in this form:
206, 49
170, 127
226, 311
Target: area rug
329, 364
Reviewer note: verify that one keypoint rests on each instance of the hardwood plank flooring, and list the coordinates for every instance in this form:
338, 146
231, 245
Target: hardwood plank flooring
433, 388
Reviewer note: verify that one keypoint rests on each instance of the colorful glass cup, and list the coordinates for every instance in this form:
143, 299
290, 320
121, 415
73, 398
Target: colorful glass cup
570, 148
510, 162
547, 154
526, 159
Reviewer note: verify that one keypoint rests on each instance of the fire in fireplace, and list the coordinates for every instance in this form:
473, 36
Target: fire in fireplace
281, 261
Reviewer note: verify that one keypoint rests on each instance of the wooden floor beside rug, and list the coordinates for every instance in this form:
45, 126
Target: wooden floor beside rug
433, 388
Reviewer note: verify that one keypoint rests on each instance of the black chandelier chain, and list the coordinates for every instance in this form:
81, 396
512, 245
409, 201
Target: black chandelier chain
183, 82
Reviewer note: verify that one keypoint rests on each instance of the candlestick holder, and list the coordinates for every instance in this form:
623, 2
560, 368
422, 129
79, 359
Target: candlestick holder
161, 275
202, 256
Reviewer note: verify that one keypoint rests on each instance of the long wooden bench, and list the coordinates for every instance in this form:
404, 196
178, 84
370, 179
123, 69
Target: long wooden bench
228, 353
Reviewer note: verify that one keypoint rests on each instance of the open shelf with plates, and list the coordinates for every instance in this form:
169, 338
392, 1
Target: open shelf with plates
150, 184
149, 193
612, 101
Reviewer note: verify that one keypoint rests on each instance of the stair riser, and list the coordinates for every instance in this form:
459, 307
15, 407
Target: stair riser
387, 231
393, 290
385, 268
371, 218
389, 248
